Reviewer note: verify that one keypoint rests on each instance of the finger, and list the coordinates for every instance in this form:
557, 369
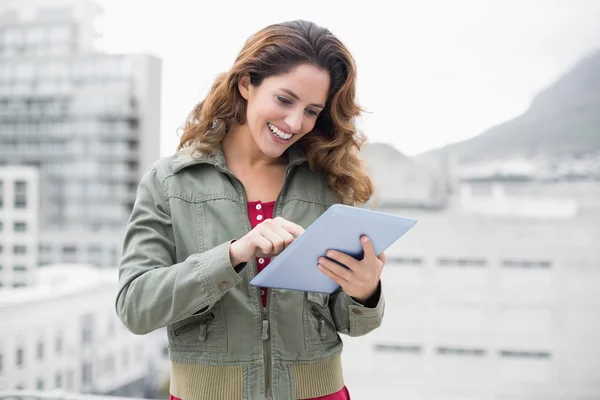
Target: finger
263, 244
340, 281
338, 270
368, 248
287, 237
343, 258
289, 226
382, 258
276, 241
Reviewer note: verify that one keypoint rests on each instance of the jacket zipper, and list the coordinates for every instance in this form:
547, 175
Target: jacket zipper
322, 321
265, 309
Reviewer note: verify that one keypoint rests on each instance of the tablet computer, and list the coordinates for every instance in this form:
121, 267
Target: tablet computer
338, 228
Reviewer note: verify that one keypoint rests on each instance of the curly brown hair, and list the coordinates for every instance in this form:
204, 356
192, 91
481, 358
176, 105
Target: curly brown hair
333, 145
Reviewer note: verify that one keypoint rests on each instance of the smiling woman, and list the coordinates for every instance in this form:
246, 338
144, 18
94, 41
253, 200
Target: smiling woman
271, 147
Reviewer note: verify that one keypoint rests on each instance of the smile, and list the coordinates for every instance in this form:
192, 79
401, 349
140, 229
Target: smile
279, 133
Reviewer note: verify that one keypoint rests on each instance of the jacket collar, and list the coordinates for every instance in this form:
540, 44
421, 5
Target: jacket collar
186, 158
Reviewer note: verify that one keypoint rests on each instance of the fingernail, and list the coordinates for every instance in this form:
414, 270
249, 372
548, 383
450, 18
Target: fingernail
365, 239
320, 267
321, 261
330, 254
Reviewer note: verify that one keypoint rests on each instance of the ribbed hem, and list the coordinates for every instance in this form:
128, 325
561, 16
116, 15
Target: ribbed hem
318, 379
206, 382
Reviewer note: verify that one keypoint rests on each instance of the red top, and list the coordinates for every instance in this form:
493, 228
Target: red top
258, 212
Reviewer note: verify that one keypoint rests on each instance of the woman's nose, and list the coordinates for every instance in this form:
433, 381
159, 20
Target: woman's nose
294, 121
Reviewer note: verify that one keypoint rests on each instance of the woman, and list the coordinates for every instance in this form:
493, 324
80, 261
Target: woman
270, 148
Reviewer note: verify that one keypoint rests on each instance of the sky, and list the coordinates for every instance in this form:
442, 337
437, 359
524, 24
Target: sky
430, 72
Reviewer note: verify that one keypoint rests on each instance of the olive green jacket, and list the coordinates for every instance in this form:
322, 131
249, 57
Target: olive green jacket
176, 273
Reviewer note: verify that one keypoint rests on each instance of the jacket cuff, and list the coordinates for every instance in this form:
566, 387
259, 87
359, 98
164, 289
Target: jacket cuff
216, 271
372, 301
365, 319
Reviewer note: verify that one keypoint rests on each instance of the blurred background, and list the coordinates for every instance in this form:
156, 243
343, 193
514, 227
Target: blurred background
483, 120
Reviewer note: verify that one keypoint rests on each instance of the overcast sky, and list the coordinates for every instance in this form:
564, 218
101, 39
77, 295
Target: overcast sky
429, 72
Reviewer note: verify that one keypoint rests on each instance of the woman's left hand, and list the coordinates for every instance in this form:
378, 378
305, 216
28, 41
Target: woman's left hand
361, 278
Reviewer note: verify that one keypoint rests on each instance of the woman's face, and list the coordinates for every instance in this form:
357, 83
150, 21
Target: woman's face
285, 107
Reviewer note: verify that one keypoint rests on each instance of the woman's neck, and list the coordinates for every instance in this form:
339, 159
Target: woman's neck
239, 146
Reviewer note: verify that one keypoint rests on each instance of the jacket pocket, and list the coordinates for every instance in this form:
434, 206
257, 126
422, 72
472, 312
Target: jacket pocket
205, 331
319, 329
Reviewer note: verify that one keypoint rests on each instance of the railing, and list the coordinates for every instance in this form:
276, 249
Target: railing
55, 395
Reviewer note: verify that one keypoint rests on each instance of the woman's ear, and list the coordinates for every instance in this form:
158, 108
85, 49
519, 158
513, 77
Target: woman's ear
244, 86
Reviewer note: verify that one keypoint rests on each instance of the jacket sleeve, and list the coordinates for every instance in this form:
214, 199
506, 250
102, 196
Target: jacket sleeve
355, 319
154, 291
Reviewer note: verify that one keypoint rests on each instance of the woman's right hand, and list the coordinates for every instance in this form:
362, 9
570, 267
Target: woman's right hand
267, 239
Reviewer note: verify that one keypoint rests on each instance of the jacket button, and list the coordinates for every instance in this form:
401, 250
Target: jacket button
356, 311
223, 286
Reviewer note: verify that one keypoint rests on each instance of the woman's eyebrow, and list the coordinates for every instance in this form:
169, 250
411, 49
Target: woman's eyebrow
294, 95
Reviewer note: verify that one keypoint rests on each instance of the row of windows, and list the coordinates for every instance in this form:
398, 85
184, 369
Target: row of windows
20, 194
17, 249
460, 351
32, 132
18, 226
58, 382
107, 366
471, 262
16, 268
15, 285
103, 66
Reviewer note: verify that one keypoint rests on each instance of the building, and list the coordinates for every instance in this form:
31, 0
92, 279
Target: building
489, 301
401, 182
19, 211
64, 334
90, 122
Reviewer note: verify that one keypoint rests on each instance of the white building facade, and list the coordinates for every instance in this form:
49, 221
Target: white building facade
19, 216
64, 334
489, 306
90, 122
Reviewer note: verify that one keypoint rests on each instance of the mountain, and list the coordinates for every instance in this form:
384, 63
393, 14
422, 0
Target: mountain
562, 119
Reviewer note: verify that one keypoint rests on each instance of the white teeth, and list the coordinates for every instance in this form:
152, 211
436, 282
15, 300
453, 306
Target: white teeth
278, 133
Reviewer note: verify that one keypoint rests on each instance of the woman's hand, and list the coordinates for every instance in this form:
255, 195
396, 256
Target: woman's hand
361, 278
267, 239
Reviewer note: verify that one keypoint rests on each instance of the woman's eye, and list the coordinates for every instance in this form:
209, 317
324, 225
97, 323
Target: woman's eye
283, 100
312, 112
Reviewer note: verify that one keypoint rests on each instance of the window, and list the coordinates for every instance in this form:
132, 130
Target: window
402, 261
58, 380
87, 323
1, 364
40, 384
166, 351
40, 351
462, 262
58, 344
461, 351
19, 249
20, 226
19, 268
69, 250
523, 354
70, 379
543, 264
1, 197
20, 357
397, 348
20, 194
86, 374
